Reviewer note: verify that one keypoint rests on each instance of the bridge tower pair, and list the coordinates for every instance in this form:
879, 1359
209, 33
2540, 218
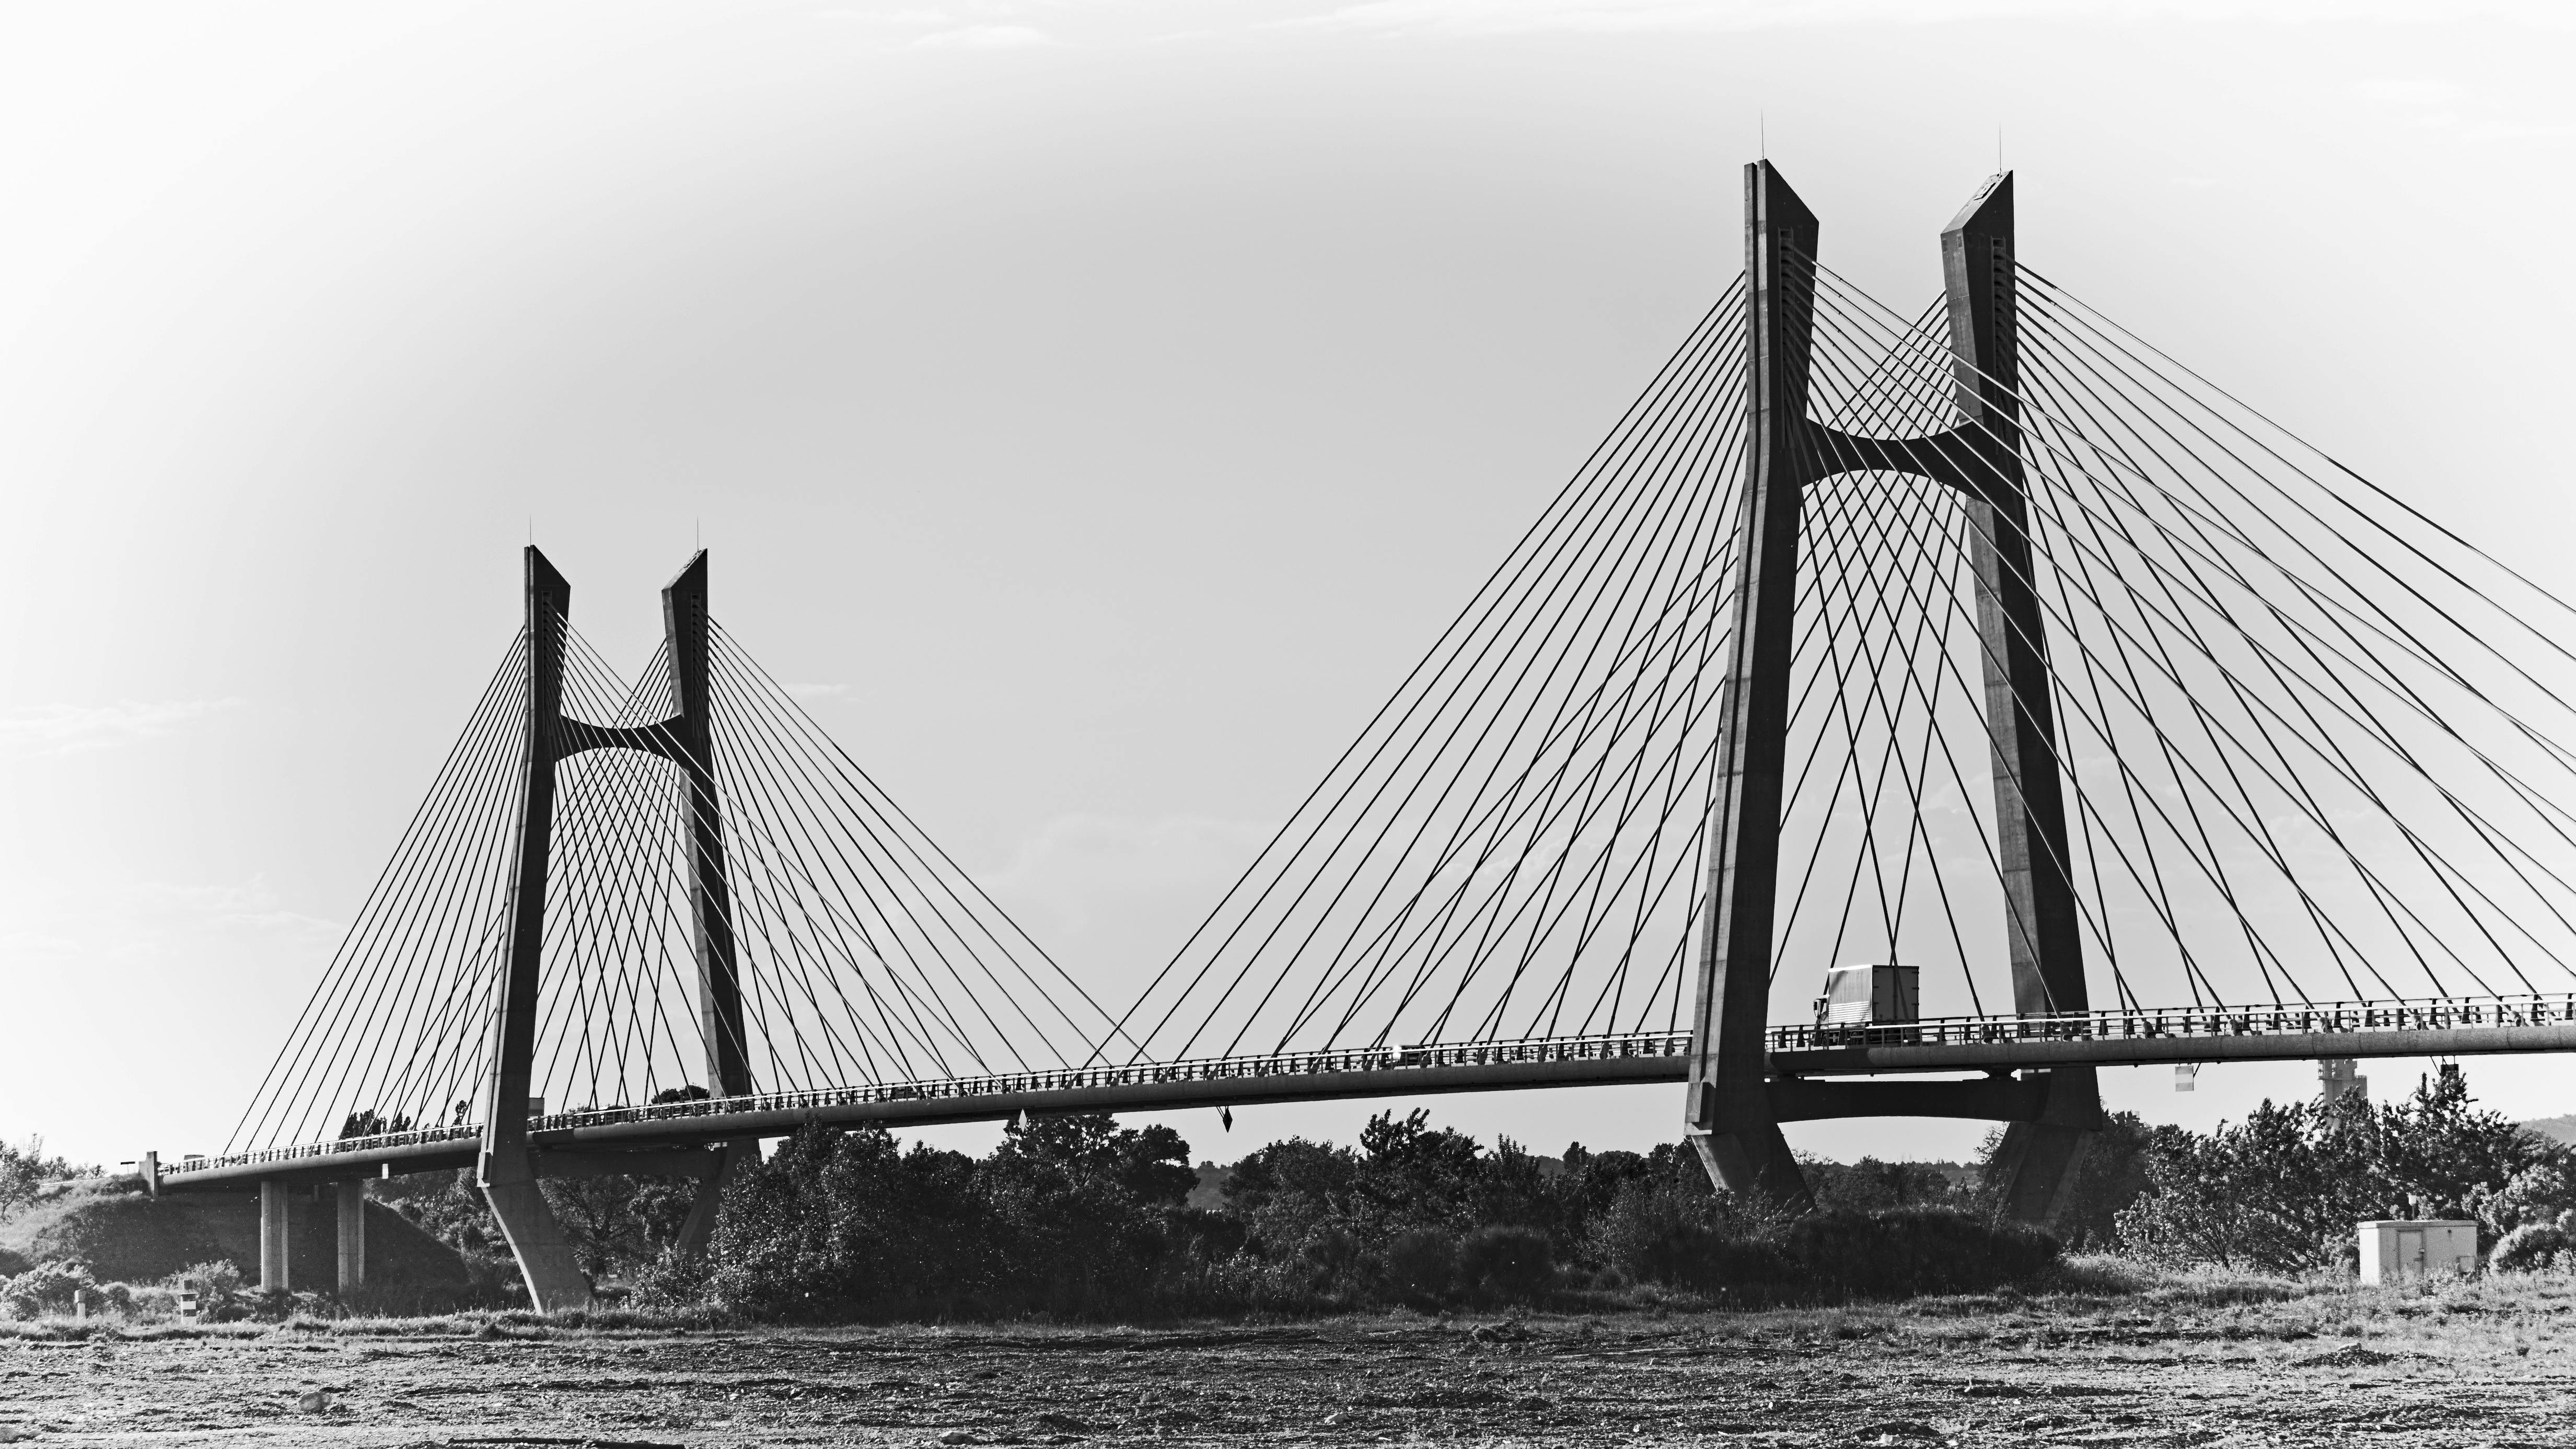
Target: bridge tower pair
509, 1166
1735, 1106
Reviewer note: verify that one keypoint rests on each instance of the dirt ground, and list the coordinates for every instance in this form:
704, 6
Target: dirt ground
2472, 1365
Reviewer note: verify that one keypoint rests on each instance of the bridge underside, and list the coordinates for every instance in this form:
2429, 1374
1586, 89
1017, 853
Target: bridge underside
1806, 1083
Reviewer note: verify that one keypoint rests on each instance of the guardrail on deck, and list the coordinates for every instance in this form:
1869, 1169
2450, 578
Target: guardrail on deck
2425, 1014
1202, 1069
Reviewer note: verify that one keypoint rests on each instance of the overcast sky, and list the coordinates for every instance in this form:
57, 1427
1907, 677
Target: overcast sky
1097, 406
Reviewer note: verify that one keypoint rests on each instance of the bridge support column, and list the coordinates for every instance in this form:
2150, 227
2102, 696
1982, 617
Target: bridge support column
1730, 1115
509, 1169
1728, 1112
506, 1168
685, 632
547, 1263
353, 1235
2036, 1163
2043, 925
712, 901
274, 1241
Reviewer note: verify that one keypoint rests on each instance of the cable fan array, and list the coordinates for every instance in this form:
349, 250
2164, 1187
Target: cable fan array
865, 954
1512, 847
2303, 763
2311, 747
2310, 740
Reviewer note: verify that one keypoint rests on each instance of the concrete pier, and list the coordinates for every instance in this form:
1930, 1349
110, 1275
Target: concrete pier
353, 1235
273, 1241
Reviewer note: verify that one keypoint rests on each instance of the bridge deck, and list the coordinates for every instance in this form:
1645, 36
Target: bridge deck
2439, 1027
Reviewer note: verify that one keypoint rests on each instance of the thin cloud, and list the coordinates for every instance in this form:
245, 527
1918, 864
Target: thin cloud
987, 37
62, 729
252, 907
2442, 105
1078, 866
1495, 17
2410, 90
812, 692
152, 923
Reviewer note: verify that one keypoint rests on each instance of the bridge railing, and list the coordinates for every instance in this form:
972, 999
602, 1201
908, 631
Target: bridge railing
2425, 1014
419, 1137
1200, 1069
2321, 1018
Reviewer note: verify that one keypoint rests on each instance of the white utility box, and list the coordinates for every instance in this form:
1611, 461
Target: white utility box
1870, 995
2396, 1251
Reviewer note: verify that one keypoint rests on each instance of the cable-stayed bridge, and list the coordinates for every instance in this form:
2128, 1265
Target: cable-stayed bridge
1986, 639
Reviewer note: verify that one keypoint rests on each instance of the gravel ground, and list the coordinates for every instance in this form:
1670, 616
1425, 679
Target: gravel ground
2331, 1368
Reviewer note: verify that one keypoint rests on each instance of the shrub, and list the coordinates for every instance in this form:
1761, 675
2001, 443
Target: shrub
218, 1278
1421, 1266
1667, 1225
46, 1288
672, 1281
1909, 1251
148, 1300
2539, 1193
223, 1296
2531, 1248
1513, 1264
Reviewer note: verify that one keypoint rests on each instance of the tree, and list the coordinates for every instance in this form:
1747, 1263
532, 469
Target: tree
1070, 1215
1870, 1185
2281, 1191
619, 1223
24, 1169
1152, 1165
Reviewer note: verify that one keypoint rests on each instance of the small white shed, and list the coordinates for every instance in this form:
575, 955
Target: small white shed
2394, 1251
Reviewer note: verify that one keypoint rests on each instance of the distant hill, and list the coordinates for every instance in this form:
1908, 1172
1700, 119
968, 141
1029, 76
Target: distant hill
2557, 1129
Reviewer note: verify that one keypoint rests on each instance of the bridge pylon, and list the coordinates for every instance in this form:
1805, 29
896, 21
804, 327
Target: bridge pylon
508, 1167
1734, 1105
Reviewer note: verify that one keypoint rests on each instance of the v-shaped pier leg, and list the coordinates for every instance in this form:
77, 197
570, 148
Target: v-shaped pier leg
2043, 924
509, 1170
700, 1225
1732, 1115
1728, 1114
687, 635
506, 1168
